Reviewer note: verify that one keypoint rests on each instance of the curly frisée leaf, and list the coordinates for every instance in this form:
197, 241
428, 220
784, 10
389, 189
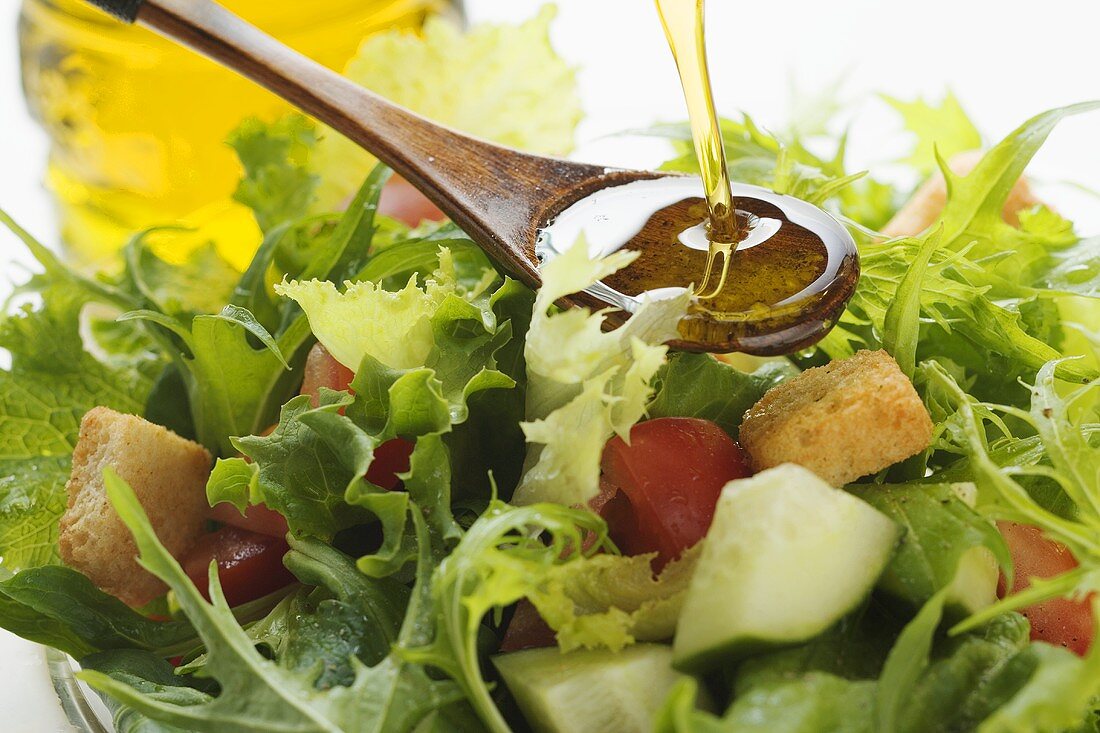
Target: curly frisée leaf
365, 319
612, 601
973, 217
585, 384
1074, 466
504, 556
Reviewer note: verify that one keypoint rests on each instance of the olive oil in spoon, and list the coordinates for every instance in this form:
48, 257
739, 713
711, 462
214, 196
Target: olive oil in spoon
770, 273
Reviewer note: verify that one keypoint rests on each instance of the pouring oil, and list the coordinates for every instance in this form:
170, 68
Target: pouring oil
770, 273
684, 24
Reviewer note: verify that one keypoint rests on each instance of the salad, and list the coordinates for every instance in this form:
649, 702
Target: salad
366, 482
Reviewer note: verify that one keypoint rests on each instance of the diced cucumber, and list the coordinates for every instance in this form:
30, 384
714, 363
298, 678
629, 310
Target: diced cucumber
786, 557
591, 690
975, 583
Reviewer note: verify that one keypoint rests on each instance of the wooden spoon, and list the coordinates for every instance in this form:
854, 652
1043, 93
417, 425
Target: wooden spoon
499, 196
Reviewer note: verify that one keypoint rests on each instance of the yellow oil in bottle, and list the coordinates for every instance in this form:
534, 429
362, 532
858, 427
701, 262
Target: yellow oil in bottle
137, 124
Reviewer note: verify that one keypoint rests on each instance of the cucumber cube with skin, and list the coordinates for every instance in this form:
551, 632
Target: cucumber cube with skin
590, 690
786, 557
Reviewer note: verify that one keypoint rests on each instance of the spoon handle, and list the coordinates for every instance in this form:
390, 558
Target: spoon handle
489, 191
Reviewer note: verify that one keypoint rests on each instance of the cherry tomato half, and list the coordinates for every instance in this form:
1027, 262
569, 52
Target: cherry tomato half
257, 518
527, 630
322, 370
1059, 621
669, 478
390, 458
250, 565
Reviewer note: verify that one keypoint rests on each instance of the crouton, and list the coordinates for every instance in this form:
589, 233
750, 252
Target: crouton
844, 420
924, 208
168, 474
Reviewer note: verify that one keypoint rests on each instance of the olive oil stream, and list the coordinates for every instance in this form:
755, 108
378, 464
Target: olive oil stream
770, 273
683, 21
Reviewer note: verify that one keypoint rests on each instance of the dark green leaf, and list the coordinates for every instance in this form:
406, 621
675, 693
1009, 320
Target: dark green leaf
698, 385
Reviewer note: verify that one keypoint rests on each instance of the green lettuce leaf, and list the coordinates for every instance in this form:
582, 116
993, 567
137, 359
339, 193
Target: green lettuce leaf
51, 382
786, 164
699, 385
502, 83
612, 601
422, 386
202, 282
585, 384
277, 183
943, 130
393, 328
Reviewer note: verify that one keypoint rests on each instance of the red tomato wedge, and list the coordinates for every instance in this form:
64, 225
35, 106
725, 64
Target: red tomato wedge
527, 630
322, 370
390, 459
670, 476
257, 518
250, 565
401, 201
1059, 621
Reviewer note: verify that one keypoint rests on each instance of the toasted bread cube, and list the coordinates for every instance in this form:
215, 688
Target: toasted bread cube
168, 473
844, 420
924, 208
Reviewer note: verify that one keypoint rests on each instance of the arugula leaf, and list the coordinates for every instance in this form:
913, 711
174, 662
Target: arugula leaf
698, 385
150, 675
502, 83
60, 607
256, 694
942, 130
905, 663
585, 384
939, 530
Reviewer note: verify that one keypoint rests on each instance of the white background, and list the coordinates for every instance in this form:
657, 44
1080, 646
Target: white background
1005, 60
